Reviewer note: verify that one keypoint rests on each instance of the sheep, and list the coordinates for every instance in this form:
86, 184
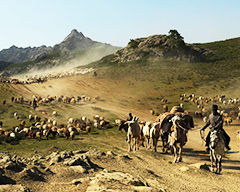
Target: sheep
103, 123
38, 135
12, 134
54, 123
83, 118
152, 112
95, 124
97, 98
205, 119
227, 120
198, 114
54, 113
23, 122
37, 119
54, 131
31, 118
70, 120
88, 129
117, 122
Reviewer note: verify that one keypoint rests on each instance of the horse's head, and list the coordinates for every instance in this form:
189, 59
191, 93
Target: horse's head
123, 125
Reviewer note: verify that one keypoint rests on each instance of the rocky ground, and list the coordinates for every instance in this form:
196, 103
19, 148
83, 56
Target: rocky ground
93, 170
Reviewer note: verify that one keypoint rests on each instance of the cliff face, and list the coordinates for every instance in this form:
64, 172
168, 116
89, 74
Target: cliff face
159, 47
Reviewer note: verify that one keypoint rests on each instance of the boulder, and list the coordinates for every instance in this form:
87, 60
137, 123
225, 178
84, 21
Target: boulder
199, 166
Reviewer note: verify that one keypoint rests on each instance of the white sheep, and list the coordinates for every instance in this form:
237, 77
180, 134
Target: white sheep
70, 120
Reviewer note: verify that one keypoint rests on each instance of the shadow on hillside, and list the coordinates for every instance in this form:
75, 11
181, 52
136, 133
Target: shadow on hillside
203, 156
7, 180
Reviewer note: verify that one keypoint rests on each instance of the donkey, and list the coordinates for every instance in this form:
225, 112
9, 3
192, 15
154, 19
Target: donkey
217, 148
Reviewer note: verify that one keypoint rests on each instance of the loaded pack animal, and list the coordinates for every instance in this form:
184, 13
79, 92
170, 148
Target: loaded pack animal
217, 148
165, 124
178, 136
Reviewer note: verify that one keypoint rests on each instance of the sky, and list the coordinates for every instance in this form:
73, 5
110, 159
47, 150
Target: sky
35, 23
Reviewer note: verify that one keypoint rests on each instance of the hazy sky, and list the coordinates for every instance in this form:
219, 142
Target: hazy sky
47, 22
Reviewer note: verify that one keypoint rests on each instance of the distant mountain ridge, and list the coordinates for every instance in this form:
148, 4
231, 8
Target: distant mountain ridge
18, 55
74, 46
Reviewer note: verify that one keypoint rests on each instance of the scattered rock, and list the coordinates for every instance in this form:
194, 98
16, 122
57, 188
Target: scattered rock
95, 153
14, 188
200, 166
73, 161
79, 152
11, 166
32, 174
183, 169
5, 159
1, 172
76, 182
110, 153
124, 182
79, 169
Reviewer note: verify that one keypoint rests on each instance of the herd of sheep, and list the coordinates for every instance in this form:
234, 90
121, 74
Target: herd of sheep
42, 127
43, 77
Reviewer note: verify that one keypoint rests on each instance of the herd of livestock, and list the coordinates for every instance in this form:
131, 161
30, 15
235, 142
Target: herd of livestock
171, 126
43, 77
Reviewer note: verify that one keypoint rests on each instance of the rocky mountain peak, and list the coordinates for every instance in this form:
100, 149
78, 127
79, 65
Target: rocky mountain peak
74, 34
75, 41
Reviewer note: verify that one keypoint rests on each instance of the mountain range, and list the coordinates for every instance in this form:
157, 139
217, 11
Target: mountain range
75, 45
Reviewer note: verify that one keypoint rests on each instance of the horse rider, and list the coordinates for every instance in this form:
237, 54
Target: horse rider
216, 123
130, 117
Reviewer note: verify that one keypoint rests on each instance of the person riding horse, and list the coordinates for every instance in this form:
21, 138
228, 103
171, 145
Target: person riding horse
216, 123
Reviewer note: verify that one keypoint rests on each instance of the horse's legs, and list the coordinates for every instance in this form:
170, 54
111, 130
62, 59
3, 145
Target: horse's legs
212, 159
147, 142
129, 143
180, 154
155, 144
175, 153
134, 144
219, 164
163, 144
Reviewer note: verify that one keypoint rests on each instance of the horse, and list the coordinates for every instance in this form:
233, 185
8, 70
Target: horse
178, 137
133, 134
217, 148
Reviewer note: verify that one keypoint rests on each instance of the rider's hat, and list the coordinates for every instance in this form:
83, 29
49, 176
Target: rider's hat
214, 107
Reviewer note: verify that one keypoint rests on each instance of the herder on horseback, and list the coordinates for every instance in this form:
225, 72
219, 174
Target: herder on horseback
216, 123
